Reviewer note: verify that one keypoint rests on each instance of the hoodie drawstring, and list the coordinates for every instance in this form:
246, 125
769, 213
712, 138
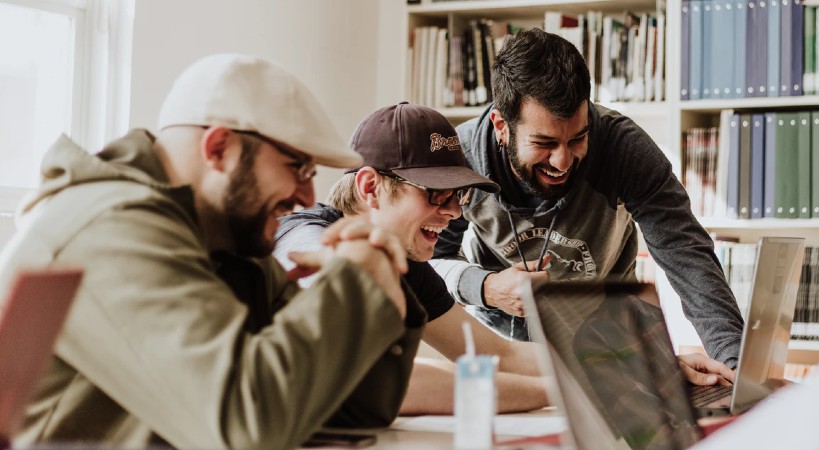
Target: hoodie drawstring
539, 265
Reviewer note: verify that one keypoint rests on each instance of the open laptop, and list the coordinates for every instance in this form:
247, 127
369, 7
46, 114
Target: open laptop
767, 331
31, 316
615, 372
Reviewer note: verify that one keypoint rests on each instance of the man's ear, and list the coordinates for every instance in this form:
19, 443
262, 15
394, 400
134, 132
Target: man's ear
501, 127
367, 180
213, 147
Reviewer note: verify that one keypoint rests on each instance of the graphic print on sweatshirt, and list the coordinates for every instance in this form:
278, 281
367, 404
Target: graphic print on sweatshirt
571, 258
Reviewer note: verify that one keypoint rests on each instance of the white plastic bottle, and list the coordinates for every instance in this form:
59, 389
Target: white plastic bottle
475, 397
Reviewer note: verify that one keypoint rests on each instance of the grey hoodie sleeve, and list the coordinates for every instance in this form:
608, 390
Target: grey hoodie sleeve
641, 175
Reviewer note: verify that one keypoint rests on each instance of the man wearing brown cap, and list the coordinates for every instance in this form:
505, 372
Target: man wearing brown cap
158, 349
413, 181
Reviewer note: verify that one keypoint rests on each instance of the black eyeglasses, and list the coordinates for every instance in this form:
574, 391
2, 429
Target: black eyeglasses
304, 166
437, 197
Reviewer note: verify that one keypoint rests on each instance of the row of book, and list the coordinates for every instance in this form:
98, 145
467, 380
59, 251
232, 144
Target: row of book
747, 48
754, 166
455, 70
625, 54
738, 261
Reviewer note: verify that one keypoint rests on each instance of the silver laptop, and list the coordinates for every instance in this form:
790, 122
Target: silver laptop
767, 331
615, 372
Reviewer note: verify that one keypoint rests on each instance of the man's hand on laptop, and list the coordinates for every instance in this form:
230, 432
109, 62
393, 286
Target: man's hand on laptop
702, 370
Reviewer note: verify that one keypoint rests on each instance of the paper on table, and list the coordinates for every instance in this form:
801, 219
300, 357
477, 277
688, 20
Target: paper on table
786, 419
524, 425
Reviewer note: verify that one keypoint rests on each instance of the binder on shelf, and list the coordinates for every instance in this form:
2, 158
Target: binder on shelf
752, 49
707, 49
760, 34
809, 48
685, 42
814, 164
803, 150
745, 126
733, 168
723, 33
797, 41
769, 176
786, 165
757, 165
696, 50
740, 41
785, 48
774, 38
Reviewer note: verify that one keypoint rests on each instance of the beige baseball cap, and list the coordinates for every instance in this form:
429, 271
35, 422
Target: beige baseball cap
249, 93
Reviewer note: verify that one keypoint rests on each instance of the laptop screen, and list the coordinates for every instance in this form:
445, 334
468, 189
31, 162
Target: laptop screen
766, 334
611, 350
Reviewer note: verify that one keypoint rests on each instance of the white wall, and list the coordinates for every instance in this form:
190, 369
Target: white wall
348, 52
331, 45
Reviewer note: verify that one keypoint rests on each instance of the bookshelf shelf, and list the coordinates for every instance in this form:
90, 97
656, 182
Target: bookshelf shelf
632, 109
803, 345
712, 223
512, 8
714, 106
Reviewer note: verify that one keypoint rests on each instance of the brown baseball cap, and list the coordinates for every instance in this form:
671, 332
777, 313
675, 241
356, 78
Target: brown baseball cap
418, 144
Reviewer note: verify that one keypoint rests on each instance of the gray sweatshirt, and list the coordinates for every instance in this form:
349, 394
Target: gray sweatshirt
625, 178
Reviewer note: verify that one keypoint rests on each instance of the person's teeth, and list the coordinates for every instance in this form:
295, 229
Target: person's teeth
436, 230
554, 174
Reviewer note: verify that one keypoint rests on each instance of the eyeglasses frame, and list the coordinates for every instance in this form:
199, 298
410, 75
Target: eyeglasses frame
463, 199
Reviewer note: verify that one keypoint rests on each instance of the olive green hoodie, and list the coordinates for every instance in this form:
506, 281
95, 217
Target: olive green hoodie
155, 350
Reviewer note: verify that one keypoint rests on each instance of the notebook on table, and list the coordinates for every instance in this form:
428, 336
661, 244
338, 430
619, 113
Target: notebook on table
31, 316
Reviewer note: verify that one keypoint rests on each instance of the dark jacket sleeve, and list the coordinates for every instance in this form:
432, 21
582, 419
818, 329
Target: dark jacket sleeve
642, 177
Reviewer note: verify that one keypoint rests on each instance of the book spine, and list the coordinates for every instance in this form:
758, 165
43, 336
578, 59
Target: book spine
685, 51
757, 165
803, 164
774, 37
769, 176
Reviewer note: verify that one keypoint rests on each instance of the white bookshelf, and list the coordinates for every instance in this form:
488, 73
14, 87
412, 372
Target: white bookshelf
663, 120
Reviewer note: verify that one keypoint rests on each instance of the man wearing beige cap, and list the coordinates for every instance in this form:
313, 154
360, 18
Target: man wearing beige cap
413, 181
158, 349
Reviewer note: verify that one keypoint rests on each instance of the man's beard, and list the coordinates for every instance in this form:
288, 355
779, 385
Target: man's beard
247, 230
528, 177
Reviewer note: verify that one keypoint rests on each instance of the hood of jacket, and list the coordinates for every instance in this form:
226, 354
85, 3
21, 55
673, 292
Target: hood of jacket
320, 214
129, 158
491, 160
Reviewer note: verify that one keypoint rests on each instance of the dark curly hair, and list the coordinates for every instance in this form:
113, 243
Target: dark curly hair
542, 66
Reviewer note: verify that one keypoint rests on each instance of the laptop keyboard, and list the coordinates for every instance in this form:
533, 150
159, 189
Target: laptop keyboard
703, 395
